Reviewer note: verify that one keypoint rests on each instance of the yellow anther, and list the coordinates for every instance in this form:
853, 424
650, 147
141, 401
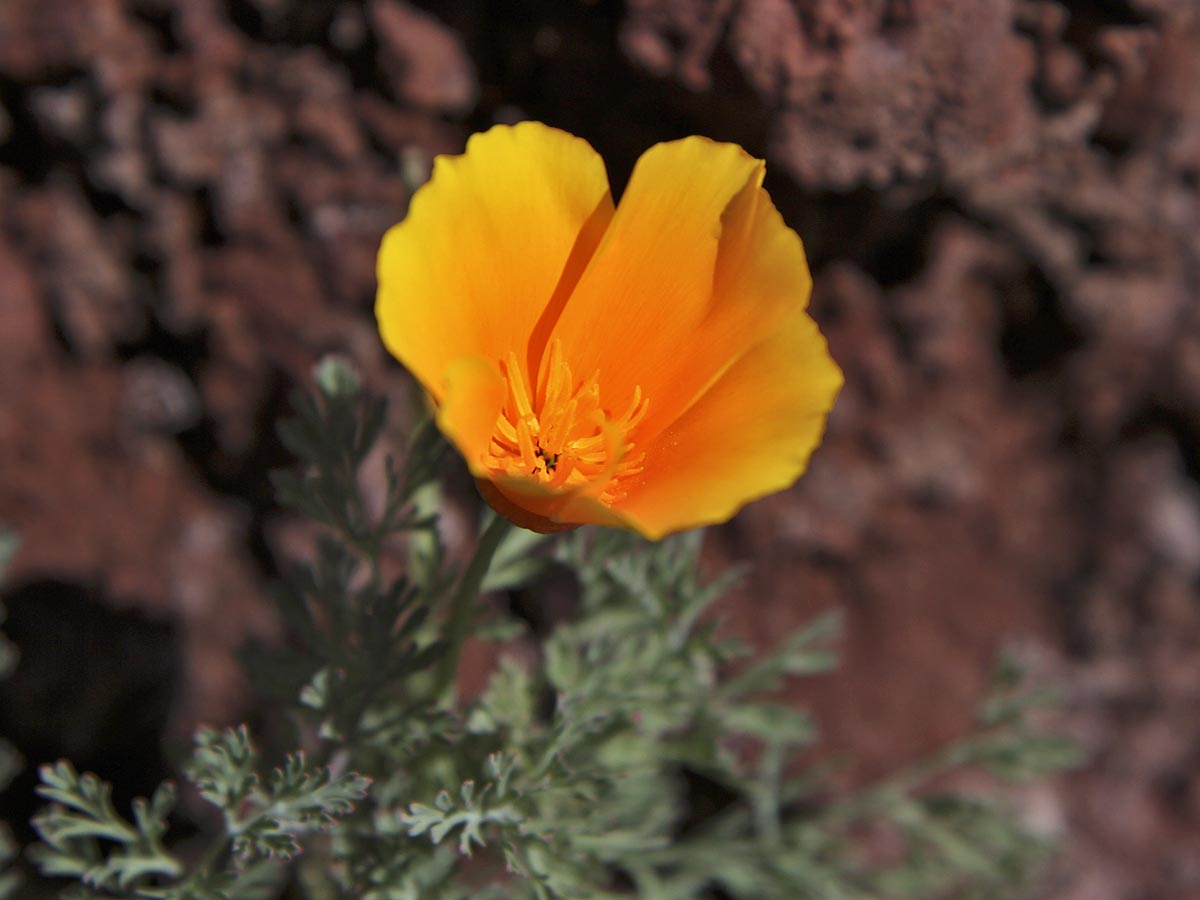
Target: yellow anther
560, 435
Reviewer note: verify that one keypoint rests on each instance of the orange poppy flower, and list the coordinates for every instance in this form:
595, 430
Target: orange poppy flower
647, 366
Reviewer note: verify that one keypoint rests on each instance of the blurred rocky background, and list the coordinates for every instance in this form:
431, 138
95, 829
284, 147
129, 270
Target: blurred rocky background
1001, 203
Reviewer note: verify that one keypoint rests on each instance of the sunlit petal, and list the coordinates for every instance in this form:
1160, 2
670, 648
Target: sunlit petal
650, 282
472, 392
761, 277
751, 434
487, 243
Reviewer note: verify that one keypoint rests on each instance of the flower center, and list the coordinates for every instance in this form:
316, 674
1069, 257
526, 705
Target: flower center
562, 436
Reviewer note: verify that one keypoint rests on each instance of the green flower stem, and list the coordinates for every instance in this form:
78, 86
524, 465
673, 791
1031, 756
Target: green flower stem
462, 603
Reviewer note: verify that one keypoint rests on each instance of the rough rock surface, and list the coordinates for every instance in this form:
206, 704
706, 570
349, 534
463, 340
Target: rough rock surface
1001, 201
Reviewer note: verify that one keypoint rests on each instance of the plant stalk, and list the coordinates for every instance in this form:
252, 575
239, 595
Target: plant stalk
462, 605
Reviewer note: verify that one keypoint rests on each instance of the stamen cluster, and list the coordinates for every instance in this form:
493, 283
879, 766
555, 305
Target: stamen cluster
562, 435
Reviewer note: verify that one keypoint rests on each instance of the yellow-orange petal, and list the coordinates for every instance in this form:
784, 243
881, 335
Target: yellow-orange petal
649, 284
517, 514
749, 435
472, 393
486, 245
761, 278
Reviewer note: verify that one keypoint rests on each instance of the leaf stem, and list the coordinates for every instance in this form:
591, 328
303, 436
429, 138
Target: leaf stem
461, 603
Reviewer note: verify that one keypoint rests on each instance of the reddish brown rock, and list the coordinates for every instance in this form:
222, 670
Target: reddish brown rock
424, 60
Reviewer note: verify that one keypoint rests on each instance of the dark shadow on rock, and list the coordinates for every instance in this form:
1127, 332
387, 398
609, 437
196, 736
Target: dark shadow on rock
93, 685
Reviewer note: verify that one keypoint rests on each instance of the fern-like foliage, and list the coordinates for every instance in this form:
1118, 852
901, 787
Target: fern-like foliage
266, 817
84, 837
588, 800
574, 773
